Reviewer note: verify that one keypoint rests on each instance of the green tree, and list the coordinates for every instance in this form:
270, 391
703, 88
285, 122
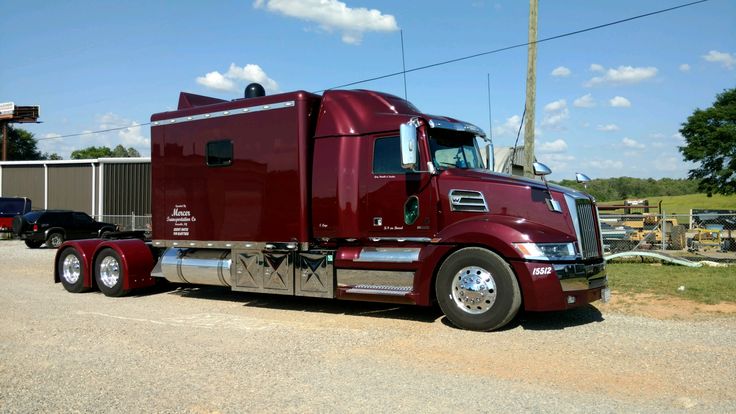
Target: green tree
710, 139
92, 152
23, 146
105, 152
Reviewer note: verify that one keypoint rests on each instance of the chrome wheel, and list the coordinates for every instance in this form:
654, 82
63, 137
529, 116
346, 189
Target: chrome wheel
71, 269
474, 290
109, 271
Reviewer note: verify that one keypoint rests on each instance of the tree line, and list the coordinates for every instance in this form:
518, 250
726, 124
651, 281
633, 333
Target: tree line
23, 146
621, 188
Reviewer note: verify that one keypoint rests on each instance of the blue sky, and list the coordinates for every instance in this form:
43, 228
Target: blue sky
609, 102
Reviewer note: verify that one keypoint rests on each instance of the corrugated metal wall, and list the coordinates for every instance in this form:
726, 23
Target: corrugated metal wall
70, 187
25, 181
127, 188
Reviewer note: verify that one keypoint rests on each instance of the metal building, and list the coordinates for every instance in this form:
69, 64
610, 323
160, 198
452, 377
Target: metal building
110, 189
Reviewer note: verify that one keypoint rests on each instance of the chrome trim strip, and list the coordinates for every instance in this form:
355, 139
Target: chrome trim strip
220, 114
388, 255
402, 239
240, 245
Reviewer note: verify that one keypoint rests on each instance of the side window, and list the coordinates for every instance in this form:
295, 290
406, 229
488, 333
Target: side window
82, 219
219, 153
387, 156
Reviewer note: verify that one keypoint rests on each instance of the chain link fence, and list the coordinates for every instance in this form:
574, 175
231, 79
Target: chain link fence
131, 222
701, 231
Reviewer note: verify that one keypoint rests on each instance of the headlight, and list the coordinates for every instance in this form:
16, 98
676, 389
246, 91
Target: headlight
547, 251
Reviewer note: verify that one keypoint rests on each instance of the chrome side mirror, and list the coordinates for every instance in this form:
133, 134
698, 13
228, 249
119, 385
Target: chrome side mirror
541, 169
581, 178
408, 133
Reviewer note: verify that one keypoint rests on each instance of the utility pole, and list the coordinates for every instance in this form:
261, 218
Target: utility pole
531, 90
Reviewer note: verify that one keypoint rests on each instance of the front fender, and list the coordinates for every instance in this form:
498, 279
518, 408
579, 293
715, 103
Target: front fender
499, 233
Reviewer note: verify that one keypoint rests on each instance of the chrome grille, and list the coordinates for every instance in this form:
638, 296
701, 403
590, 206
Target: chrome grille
468, 200
587, 226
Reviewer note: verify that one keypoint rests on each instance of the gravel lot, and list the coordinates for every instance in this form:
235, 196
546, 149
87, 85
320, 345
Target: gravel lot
206, 350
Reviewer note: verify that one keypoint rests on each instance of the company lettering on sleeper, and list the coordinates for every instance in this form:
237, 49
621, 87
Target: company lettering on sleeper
181, 217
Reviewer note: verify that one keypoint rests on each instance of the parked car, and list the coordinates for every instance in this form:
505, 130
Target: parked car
54, 226
11, 207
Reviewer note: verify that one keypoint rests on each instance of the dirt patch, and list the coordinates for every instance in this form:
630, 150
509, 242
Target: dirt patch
662, 307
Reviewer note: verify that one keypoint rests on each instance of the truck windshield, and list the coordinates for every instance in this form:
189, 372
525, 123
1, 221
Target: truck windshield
453, 149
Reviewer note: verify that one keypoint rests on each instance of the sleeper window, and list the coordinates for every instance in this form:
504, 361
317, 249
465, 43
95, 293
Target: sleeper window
219, 153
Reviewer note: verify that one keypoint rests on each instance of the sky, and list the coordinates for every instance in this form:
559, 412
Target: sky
609, 102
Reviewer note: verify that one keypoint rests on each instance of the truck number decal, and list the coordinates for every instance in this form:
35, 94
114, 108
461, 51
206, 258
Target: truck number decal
542, 271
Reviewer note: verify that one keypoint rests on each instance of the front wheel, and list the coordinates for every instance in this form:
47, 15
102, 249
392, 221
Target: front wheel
477, 290
109, 273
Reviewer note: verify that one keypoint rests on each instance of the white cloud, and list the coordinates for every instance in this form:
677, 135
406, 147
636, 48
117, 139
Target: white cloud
555, 146
555, 106
684, 67
596, 68
724, 58
585, 101
604, 164
556, 161
623, 75
128, 137
679, 138
556, 112
235, 78
252, 73
509, 128
217, 81
333, 15
631, 143
561, 72
608, 128
620, 102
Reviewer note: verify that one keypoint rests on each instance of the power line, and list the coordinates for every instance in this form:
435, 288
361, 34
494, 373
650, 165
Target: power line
446, 62
503, 49
93, 132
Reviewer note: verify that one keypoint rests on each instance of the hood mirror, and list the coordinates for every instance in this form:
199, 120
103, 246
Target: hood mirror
541, 169
581, 178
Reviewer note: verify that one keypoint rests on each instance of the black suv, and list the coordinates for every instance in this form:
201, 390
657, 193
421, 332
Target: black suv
54, 226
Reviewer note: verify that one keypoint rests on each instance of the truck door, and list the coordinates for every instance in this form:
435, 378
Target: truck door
398, 203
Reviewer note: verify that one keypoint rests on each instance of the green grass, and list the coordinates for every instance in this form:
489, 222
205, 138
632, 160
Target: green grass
682, 204
708, 285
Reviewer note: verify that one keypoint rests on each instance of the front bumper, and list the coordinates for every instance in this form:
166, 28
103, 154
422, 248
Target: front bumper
558, 286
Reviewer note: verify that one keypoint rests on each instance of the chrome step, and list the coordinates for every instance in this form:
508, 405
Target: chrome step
379, 290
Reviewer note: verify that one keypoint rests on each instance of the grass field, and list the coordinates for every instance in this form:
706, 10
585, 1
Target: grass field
709, 285
682, 204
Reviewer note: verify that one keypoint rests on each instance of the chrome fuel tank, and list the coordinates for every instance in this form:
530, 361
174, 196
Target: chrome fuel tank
196, 266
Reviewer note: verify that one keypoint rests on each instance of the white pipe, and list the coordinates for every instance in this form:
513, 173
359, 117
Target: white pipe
46, 186
94, 175
101, 189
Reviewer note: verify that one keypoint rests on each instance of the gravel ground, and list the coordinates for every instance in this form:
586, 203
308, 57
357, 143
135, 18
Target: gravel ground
207, 350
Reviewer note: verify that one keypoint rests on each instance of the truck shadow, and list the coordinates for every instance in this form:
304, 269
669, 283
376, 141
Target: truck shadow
536, 321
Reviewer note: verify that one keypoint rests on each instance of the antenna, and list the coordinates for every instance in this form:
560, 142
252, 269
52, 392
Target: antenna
491, 156
403, 63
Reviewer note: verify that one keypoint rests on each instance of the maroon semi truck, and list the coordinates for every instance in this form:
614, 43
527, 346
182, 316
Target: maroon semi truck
353, 195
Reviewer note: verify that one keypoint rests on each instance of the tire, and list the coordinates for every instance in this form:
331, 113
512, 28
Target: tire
677, 237
109, 273
33, 244
54, 240
71, 271
477, 290
19, 225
